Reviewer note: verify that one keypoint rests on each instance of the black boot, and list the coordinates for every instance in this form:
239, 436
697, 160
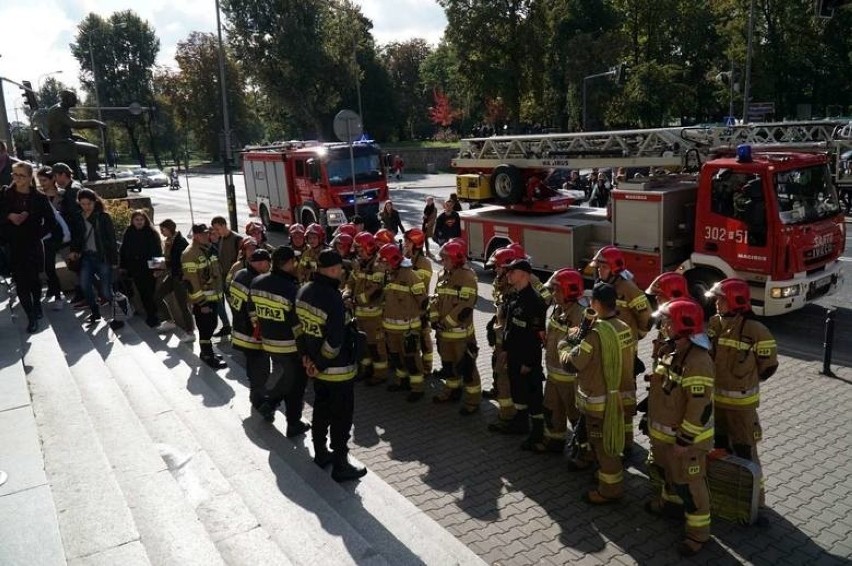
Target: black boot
536, 435
224, 331
212, 360
403, 385
32, 325
344, 470
39, 314
297, 428
323, 456
520, 424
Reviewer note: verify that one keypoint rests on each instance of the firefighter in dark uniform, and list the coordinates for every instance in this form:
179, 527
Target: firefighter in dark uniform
603, 362
745, 353
680, 415
245, 334
203, 280
329, 344
273, 302
523, 336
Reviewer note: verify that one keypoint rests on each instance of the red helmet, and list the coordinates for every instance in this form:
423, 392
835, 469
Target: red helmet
297, 229
455, 251
686, 316
366, 242
736, 293
248, 243
611, 256
253, 227
668, 286
391, 255
520, 252
569, 281
416, 236
501, 257
344, 240
384, 236
348, 229
315, 229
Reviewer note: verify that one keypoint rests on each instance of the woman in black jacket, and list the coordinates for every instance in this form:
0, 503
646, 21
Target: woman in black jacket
390, 219
99, 252
139, 244
25, 217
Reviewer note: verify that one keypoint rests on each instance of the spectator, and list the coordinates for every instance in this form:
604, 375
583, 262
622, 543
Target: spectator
454, 199
99, 251
172, 283
5, 165
26, 216
430, 214
447, 225
398, 164
139, 244
52, 244
227, 244
71, 212
390, 219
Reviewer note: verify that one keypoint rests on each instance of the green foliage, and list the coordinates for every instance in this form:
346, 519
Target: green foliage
120, 214
403, 62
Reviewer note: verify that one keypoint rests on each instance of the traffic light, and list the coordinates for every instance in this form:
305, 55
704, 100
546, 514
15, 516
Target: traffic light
30, 99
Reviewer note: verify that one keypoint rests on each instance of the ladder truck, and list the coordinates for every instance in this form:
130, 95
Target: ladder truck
757, 201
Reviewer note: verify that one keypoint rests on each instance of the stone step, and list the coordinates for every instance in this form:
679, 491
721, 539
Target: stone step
29, 526
168, 527
384, 518
235, 531
95, 520
300, 521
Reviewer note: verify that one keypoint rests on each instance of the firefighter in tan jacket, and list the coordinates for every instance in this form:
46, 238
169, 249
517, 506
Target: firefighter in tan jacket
451, 314
603, 362
364, 295
315, 243
560, 399
415, 240
405, 300
681, 420
203, 280
633, 309
745, 354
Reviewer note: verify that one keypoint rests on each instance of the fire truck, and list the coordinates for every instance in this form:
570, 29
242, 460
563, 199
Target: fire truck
756, 201
305, 182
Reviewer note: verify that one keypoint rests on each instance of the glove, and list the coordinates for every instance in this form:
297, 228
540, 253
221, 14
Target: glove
490, 333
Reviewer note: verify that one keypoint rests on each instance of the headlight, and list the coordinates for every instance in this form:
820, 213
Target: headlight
784, 292
335, 217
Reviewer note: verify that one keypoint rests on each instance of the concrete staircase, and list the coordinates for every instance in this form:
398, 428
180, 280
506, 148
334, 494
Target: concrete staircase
122, 448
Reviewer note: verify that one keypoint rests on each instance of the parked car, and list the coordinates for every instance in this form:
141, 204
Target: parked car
153, 178
124, 174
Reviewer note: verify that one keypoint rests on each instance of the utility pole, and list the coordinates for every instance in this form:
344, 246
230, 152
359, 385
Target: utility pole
230, 192
747, 87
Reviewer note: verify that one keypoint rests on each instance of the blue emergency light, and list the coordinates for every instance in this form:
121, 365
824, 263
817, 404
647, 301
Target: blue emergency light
744, 153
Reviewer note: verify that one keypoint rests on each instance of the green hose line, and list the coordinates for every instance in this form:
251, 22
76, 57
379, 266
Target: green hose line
613, 426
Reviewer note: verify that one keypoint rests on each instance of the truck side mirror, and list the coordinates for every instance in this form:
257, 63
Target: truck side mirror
314, 171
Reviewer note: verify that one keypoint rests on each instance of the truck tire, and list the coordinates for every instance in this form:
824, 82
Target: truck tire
507, 184
700, 281
308, 214
494, 245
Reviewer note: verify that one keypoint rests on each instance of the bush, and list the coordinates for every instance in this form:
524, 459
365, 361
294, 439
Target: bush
446, 135
121, 214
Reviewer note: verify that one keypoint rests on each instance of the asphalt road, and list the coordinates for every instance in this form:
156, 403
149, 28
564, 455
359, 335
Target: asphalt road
800, 334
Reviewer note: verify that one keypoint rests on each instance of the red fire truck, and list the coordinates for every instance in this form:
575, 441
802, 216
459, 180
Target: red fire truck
313, 182
767, 212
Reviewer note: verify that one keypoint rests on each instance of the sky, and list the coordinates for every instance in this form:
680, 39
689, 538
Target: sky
36, 33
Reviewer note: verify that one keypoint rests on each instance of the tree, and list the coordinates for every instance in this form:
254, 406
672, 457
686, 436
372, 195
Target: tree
442, 112
402, 62
48, 95
123, 49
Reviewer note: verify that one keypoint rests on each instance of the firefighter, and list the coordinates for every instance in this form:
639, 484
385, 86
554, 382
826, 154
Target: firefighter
414, 241
315, 238
297, 238
681, 420
451, 315
342, 243
245, 333
329, 345
633, 309
203, 279
536, 283
603, 362
523, 336
348, 228
502, 388
257, 231
405, 300
273, 302
384, 236
745, 354
560, 399
365, 295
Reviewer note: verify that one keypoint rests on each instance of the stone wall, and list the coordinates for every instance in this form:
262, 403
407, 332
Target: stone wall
426, 159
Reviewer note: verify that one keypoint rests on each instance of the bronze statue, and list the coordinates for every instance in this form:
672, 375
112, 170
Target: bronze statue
63, 145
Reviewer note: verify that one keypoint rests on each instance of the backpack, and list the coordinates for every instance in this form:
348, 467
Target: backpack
122, 309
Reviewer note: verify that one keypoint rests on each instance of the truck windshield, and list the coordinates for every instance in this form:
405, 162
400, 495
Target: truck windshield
368, 167
805, 195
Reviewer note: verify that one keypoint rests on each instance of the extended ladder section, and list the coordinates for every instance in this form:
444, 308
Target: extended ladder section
685, 148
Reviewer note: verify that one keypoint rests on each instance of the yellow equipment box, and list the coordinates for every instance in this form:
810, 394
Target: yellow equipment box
473, 187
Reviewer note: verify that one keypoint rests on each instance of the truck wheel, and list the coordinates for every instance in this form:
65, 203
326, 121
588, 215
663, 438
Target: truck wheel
507, 184
264, 217
493, 246
308, 215
700, 281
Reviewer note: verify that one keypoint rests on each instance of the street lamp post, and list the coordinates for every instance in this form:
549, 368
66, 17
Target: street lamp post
611, 73
230, 192
749, 51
